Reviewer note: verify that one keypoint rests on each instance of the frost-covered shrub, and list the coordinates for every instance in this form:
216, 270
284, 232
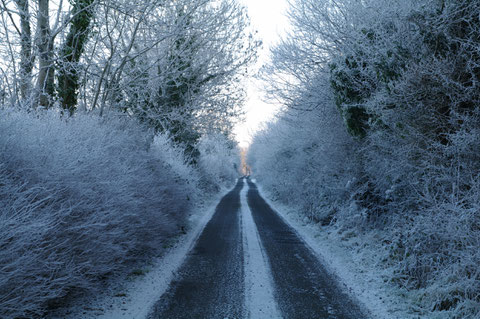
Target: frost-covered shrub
219, 161
404, 76
80, 200
424, 160
305, 160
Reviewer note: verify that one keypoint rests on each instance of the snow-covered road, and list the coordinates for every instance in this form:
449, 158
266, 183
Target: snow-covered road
249, 263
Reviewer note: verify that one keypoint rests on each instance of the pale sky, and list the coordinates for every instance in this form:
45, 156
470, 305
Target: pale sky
269, 19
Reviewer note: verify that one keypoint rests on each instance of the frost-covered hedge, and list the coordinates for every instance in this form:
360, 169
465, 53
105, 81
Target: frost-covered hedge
81, 199
305, 161
405, 78
218, 162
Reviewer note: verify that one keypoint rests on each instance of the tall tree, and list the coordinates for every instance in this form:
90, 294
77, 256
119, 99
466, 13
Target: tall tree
71, 52
26, 58
181, 86
194, 80
46, 71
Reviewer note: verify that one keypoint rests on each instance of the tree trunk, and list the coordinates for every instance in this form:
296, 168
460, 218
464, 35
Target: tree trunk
26, 62
71, 53
46, 71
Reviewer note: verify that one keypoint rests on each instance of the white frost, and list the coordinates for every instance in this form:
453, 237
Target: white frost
358, 278
142, 293
259, 299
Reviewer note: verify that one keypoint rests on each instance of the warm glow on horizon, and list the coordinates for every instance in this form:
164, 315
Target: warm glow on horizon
245, 168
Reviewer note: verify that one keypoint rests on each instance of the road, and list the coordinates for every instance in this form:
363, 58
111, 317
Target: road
240, 268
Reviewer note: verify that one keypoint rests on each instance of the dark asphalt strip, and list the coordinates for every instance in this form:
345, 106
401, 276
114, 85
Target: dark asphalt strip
210, 283
302, 287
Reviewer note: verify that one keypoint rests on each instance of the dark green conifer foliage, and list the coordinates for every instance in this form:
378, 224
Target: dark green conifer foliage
174, 99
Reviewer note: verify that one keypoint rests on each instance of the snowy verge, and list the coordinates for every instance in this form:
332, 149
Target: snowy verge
134, 299
351, 264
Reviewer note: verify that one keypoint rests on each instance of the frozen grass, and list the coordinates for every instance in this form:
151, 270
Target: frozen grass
81, 200
259, 288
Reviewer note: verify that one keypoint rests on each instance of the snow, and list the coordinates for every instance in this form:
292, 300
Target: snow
134, 299
352, 268
259, 298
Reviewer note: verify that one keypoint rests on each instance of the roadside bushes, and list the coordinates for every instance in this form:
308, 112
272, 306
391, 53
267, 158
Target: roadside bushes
81, 199
305, 159
404, 79
219, 162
